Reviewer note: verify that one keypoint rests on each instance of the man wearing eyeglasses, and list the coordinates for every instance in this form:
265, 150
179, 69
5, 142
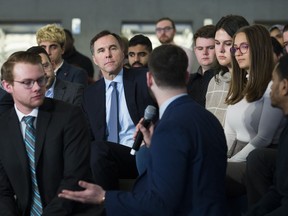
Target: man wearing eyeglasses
165, 32
44, 144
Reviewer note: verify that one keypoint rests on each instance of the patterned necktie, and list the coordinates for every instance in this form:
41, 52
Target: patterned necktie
36, 206
113, 123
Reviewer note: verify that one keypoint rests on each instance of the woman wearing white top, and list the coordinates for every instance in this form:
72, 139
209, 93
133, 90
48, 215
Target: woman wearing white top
251, 122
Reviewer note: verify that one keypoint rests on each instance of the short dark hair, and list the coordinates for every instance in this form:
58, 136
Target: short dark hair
102, 34
67, 32
17, 57
167, 18
207, 31
277, 47
282, 67
38, 50
231, 24
168, 64
142, 40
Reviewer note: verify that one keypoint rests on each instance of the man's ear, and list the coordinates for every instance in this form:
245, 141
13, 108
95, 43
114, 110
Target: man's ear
187, 76
284, 87
7, 86
149, 79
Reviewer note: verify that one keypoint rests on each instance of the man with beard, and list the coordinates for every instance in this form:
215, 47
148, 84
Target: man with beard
139, 49
57, 88
275, 201
165, 32
52, 38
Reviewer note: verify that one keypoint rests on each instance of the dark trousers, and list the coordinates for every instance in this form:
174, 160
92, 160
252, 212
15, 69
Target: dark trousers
260, 170
111, 162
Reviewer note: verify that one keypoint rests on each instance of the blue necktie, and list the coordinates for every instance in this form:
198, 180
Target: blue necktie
113, 122
36, 205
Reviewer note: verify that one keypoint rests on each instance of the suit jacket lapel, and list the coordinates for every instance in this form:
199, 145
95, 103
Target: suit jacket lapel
17, 141
59, 90
43, 120
130, 94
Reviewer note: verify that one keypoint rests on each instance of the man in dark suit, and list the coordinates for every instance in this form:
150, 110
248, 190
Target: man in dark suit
6, 101
110, 159
186, 169
57, 88
52, 38
40, 158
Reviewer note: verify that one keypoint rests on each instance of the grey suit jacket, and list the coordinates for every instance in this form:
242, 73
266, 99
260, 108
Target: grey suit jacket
68, 92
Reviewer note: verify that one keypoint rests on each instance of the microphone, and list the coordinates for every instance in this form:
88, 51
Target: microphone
150, 113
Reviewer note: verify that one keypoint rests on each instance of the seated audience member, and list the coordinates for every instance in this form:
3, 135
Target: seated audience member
57, 88
185, 174
52, 38
165, 32
44, 144
113, 106
251, 122
275, 201
218, 86
276, 31
204, 48
73, 57
139, 49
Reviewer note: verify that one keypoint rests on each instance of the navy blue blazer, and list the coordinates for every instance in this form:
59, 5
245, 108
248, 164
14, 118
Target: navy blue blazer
136, 95
186, 169
72, 73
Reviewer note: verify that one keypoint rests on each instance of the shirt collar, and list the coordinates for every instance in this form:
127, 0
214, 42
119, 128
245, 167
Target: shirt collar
20, 115
118, 79
56, 69
167, 102
52, 86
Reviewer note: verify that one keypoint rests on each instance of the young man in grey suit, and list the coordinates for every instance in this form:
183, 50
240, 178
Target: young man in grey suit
186, 169
44, 144
57, 88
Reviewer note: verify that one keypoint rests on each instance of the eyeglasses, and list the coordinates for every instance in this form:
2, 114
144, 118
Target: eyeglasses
28, 84
165, 29
243, 48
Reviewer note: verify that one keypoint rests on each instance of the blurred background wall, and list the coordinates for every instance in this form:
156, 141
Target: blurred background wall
24, 17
